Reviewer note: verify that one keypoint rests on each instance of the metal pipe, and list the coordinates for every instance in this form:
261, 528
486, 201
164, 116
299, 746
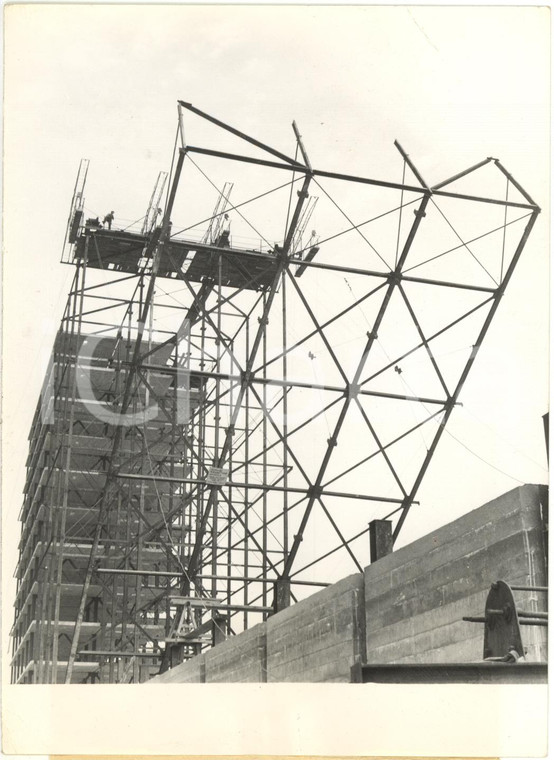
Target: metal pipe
238, 133
479, 199
258, 487
515, 183
301, 146
461, 174
411, 165
102, 653
214, 604
538, 615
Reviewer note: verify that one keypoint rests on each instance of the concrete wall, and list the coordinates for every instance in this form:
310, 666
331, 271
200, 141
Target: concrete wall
191, 671
318, 639
240, 658
407, 607
416, 597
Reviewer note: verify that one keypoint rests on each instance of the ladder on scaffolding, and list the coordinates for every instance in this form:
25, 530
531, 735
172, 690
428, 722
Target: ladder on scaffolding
154, 208
305, 217
218, 217
76, 211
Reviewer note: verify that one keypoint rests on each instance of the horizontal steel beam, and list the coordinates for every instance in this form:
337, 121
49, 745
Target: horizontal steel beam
387, 275
164, 368
200, 576
101, 653
352, 178
254, 579
293, 165
447, 284
259, 487
156, 573
215, 604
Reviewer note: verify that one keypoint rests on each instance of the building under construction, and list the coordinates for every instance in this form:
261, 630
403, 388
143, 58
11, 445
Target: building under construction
237, 409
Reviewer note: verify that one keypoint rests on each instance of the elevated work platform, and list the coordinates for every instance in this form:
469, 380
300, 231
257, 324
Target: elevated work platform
122, 251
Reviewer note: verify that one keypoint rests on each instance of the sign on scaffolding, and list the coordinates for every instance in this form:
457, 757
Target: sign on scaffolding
217, 476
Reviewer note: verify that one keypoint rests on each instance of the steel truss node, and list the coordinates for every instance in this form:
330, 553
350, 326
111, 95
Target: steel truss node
223, 416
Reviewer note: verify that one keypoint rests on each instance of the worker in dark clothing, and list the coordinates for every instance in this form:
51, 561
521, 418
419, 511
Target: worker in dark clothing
108, 219
223, 239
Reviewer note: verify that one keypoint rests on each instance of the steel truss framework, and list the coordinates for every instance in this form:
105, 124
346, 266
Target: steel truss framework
145, 542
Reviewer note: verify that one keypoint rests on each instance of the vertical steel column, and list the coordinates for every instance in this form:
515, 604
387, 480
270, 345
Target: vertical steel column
202, 443
264, 465
49, 625
215, 521
247, 434
285, 420
67, 467
283, 262
380, 539
232, 495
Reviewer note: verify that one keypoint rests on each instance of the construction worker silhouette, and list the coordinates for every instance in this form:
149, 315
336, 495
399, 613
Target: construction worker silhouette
108, 219
223, 239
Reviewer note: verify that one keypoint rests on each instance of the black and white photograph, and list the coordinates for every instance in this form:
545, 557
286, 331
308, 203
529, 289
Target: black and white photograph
275, 378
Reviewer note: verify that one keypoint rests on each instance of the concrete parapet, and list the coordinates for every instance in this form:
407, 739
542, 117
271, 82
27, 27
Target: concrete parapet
319, 638
190, 671
405, 608
416, 597
241, 658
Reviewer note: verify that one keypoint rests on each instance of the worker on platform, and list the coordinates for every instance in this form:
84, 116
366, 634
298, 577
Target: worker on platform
225, 232
108, 219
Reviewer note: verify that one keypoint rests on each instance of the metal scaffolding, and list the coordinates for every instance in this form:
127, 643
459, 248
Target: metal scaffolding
221, 420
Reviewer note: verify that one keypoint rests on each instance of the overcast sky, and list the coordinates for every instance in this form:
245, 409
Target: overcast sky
453, 85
